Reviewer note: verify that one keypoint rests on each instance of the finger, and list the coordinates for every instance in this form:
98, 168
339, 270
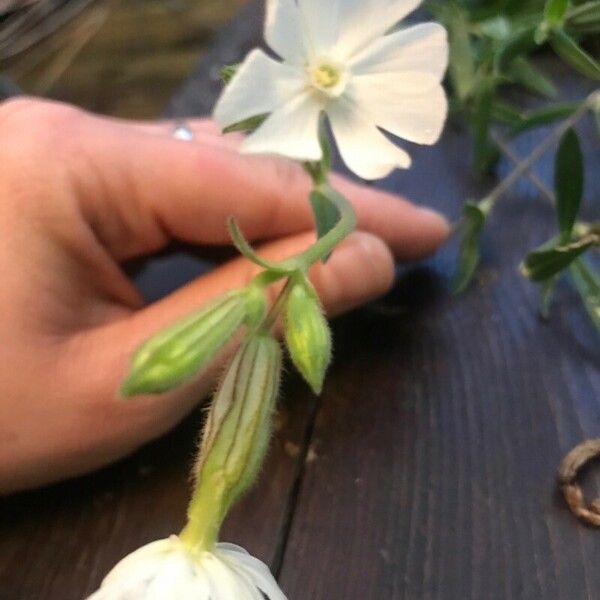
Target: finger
360, 269
157, 188
414, 244
204, 131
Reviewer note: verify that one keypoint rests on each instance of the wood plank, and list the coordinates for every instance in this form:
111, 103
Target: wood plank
444, 420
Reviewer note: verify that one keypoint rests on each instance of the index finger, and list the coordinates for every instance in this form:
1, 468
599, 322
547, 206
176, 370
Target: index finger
186, 191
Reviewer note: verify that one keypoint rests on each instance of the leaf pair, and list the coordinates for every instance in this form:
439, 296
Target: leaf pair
564, 253
558, 254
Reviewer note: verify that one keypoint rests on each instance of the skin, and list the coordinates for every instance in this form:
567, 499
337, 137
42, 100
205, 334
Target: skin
80, 195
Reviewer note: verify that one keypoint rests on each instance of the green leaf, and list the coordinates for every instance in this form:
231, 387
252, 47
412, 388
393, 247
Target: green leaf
575, 56
552, 258
474, 219
324, 209
520, 43
568, 182
555, 10
462, 56
542, 33
584, 18
247, 125
506, 113
545, 116
486, 152
531, 78
228, 72
587, 283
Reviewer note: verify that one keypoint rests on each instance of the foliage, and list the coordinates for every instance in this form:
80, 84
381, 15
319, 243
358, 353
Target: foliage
492, 52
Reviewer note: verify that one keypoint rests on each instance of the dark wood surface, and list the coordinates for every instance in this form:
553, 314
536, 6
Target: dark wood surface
427, 468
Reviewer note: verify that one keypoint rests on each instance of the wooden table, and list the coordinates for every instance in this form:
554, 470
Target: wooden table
427, 468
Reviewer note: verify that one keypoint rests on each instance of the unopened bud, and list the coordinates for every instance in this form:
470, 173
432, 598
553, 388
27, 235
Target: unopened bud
179, 352
307, 334
256, 305
236, 435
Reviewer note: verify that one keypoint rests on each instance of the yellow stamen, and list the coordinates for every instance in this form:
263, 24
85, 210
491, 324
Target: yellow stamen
326, 76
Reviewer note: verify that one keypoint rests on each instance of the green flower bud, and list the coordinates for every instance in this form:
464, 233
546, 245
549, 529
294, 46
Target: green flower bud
236, 436
307, 333
179, 352
256, 305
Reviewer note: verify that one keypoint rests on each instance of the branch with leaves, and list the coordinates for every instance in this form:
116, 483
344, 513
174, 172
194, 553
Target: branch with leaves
492, 46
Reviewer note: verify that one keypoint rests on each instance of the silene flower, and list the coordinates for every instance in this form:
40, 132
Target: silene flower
342, 58
168, 569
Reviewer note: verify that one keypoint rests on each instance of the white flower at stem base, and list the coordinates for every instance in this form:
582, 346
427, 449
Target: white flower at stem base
169, 570
339, 59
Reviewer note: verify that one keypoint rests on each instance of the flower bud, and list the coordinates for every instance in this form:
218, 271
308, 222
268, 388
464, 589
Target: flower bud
307, 333
179, 352
239, 419
236, 436
171, 569
256, 305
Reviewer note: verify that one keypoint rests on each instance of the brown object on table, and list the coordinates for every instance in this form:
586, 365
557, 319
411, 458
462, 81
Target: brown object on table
568, 473
426, 469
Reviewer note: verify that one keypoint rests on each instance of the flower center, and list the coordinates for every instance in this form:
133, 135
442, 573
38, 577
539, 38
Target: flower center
328, 77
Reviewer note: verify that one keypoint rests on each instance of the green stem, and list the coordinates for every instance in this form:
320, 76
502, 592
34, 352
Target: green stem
325, 245
205, 517
301, 262
273, 314
490, 201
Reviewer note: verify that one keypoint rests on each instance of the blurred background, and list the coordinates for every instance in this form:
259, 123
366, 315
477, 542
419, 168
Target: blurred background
118, 57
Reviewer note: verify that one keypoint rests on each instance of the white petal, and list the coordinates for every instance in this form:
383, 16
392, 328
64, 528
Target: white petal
290, 131
423, 48
175, 579
254, 569
142, 563
228, 548
101, 594
412, 106
343, 27
283, 30
323, 20
260, 86
201, 587
365, 150
223, 584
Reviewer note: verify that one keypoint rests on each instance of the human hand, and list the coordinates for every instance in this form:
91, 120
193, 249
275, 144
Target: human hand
81, 195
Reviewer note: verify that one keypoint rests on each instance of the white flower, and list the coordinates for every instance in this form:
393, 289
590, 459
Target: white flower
167, 569
338, 58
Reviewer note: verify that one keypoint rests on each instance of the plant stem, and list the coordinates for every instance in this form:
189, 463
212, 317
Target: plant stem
325, 245
271, 317
538, 152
